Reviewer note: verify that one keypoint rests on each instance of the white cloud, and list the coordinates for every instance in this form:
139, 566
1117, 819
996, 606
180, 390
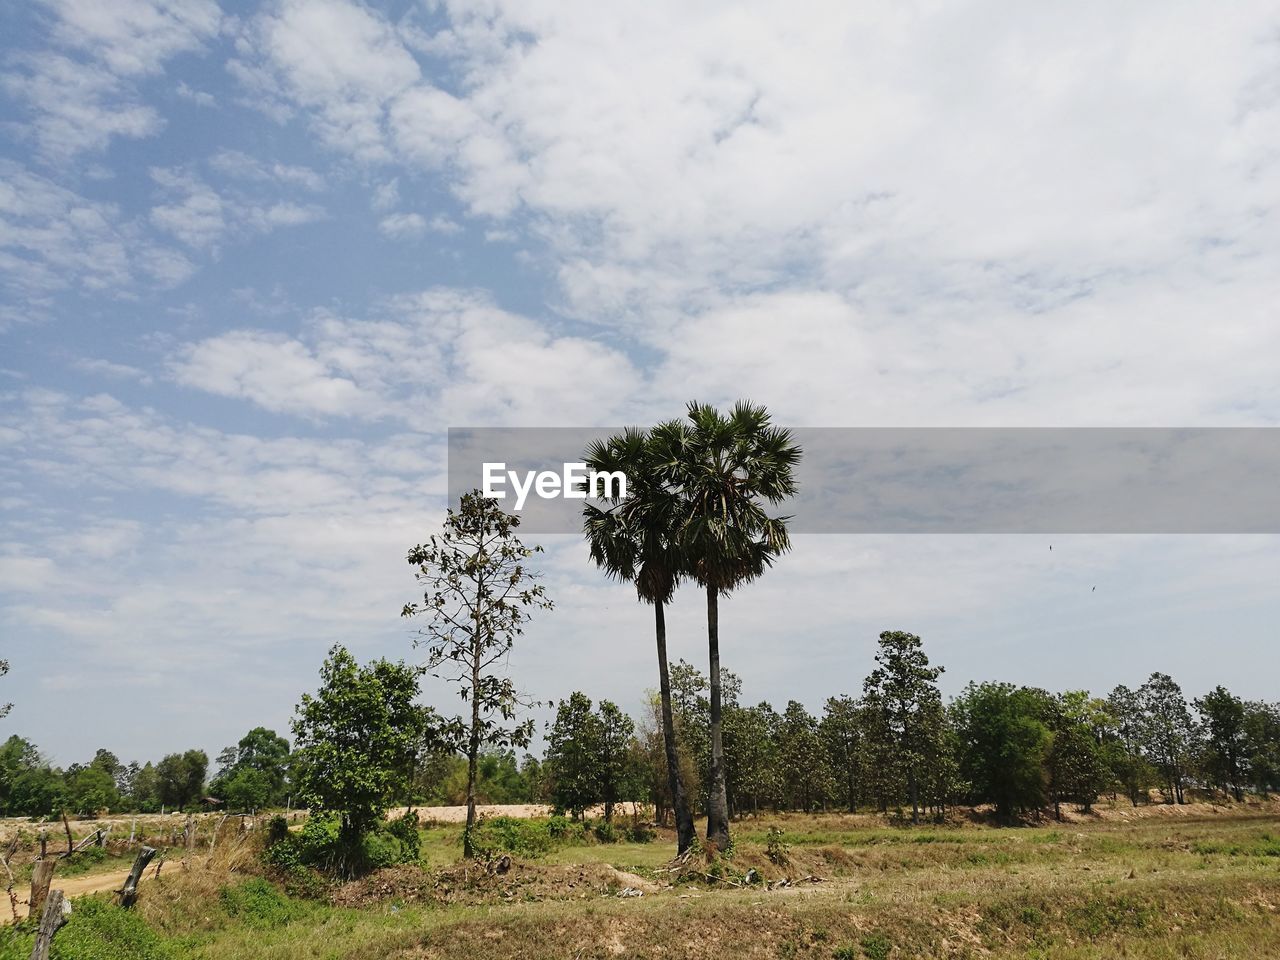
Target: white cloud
401, 225
111, 370
201, 217
442, 356
87, 94
277, 374
52, 238
234, 163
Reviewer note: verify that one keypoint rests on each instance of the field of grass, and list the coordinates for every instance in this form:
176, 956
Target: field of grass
1198, 886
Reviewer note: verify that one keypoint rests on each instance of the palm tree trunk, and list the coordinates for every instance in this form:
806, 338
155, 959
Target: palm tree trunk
718, 802
679, 799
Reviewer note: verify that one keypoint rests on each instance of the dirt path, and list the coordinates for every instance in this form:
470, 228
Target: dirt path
76, 886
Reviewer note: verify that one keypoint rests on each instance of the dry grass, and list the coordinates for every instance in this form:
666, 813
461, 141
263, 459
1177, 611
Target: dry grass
1199, 885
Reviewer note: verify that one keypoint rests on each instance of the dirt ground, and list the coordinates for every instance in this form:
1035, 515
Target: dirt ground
78, 886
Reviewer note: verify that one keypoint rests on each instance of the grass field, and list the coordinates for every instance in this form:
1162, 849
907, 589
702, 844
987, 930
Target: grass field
1199, 885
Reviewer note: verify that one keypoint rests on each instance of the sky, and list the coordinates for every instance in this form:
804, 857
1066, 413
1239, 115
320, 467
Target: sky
255, 260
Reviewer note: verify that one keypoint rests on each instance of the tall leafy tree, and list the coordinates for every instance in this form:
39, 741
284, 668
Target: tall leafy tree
633, 540
802, 761
357, 739
1222, 717
1262, 739
751, 755
727, 469
478, 593
617, 756
1003, 745
842, 732
573, 755
902, 697
180, 778
1168, 732
1129, 759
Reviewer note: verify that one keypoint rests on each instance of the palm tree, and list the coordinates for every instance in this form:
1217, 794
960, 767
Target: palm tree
633, 541
724, 469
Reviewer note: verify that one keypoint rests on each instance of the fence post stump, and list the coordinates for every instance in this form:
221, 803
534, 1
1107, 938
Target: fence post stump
55, 913
41, 877
129, 892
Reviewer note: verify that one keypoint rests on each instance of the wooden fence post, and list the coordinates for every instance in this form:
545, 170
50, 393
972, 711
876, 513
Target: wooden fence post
129, 892
41, 877
55, 913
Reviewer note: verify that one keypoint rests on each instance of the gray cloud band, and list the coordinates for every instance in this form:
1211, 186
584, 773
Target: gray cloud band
947, 480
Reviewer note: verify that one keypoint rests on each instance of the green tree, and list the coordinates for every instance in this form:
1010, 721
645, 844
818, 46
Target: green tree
478, 592
802, 767
1004, 742
180, 778
1075, 762
1222, 717
842, 732
1129, 760
618, 775
634, 541
254, 772
904, 706
751, 755
92, 790
357, 739
1167, 731
1262, 739
726, 469
144, 789
573, 755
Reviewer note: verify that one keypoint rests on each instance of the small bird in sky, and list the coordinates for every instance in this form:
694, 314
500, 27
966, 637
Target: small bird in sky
1094, 589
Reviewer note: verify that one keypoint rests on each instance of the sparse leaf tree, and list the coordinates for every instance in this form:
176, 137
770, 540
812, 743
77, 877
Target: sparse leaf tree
478, 593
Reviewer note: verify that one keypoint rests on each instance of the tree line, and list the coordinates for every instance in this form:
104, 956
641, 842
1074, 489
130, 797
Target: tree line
253, 775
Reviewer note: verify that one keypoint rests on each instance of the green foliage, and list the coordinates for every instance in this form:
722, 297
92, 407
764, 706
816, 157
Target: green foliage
876, 946
526, 838
604, 832
257, 903
180, 778
92, 790
405, 829
357, 741
1004, 743
255, 771
99, 930
776, 848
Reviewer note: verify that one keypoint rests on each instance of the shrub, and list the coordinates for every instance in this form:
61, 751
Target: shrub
508, 835
99, 930
605, 832
640, 833
558, 827
257, 903
776, 848
406, 831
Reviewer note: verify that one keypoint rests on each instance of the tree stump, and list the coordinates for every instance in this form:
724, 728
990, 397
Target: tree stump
129, 892
41, 877
55, 913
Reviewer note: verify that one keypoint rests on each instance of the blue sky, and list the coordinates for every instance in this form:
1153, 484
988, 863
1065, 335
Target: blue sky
254, 260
